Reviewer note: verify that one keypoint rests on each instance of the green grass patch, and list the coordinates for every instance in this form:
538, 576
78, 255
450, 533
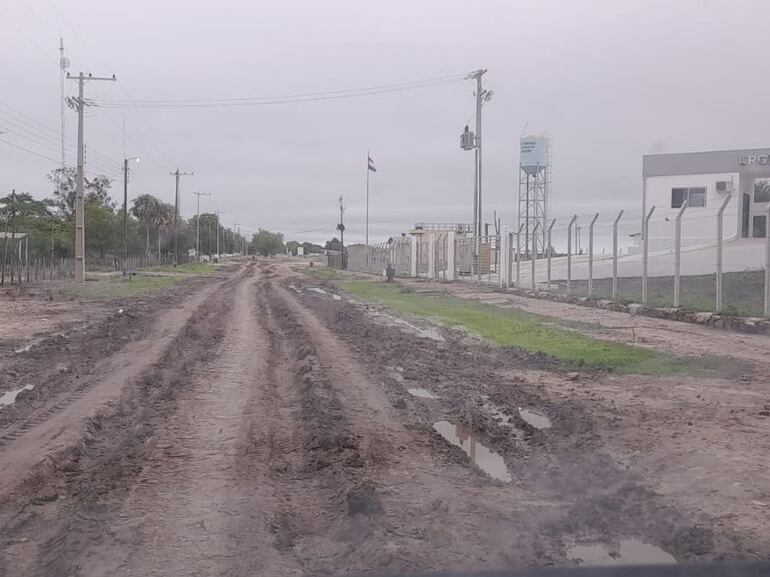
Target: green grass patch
513, 328
325, 273
116, 287
185, 268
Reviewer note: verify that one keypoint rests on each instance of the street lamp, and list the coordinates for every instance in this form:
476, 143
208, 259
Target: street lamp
125, 210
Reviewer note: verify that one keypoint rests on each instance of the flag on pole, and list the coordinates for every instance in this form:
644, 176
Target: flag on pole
371, 165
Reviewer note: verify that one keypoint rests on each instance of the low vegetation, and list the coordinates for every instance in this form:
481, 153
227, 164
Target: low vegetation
185, 268
115, 287
514, 328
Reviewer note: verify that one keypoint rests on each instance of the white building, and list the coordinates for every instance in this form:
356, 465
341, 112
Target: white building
704, 179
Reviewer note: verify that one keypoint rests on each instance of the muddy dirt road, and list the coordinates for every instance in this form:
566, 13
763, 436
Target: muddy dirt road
267, 425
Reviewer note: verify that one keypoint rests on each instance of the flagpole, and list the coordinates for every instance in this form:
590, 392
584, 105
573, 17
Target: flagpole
367, 201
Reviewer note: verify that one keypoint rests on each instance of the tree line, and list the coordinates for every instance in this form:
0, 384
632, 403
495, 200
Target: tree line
50, 223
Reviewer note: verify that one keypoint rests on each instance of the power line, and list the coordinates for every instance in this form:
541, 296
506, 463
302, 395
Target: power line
31, 124
452, 78
150, 151
25, 35
64, 19
99, 164
27, 150
286, 99
324, 229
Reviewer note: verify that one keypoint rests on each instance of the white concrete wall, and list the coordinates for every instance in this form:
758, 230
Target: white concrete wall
698, 224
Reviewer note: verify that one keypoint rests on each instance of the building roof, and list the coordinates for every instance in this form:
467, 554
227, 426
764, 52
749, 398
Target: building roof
710, 162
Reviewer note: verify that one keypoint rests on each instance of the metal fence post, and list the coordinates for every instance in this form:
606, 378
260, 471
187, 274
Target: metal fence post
645, 251
549, 251
615, 255
569, 253
509, 261
720, 243
450, 255
479, 248
518, 257
504, 260
591, 254
678, 252
431, 257
534, 253
767, 265
413, 257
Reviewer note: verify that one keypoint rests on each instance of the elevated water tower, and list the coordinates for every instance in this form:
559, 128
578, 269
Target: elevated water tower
534, 191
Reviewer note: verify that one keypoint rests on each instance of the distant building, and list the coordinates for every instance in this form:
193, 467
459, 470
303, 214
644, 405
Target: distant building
704, 179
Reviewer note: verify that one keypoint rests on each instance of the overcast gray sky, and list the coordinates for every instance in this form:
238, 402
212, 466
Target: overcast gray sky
609, 80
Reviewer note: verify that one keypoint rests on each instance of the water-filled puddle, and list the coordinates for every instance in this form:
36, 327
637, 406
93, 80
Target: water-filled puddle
9, 397
630, 552
431, 333
537, 420
422, 393
481, 456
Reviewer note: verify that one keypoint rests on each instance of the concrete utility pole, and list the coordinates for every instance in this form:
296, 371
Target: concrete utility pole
63, 65
471, 141
80, 238
125, 211
481, 96
198, 225
341, 228
219, 255
176, 174
236, 234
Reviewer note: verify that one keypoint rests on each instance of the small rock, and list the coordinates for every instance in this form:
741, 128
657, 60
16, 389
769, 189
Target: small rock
573, 376
764, 413
62, 368
400, 404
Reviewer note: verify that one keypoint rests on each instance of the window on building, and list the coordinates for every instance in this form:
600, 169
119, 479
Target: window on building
677, 197
695, 197
761, 191
759, 230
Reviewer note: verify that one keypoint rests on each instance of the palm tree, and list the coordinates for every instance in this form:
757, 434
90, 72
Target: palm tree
162, 219
144, 208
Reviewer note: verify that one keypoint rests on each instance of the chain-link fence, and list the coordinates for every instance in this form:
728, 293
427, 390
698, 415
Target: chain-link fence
478, 258
687, 260
376, 258
696, 259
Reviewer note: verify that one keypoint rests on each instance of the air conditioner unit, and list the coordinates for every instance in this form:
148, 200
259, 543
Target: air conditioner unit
724, 186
